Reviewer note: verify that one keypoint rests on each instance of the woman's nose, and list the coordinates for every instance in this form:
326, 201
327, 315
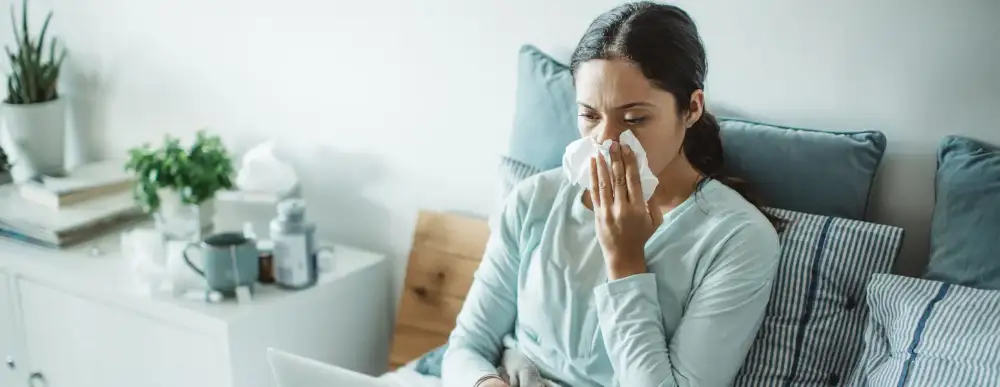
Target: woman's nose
607, 132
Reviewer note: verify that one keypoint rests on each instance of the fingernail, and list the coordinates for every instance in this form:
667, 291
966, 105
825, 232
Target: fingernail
626, 149
614, 146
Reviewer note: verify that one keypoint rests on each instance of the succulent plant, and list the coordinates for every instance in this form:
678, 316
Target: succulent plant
33, 75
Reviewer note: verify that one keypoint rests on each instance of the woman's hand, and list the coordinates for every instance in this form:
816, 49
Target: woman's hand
624, 220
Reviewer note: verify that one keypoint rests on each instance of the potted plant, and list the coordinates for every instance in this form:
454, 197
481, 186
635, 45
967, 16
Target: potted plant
33, 114
177, 184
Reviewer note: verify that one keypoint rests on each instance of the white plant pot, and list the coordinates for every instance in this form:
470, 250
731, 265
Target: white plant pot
180, 221
34, 137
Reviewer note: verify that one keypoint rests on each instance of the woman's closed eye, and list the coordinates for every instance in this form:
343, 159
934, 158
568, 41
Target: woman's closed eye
635, 120
589, 116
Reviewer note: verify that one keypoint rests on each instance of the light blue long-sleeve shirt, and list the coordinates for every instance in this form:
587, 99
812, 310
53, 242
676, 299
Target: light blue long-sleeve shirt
689, 321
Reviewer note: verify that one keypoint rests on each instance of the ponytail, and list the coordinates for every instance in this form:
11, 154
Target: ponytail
703, 148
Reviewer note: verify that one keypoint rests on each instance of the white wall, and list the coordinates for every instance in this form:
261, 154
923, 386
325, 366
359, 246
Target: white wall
390, 106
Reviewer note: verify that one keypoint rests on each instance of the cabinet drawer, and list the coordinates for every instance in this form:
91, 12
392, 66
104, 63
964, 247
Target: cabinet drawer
9, 346
75, 341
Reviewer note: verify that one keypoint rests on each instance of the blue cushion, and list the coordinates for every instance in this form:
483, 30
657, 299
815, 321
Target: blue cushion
816, 172
965, 229
929, 333
811, 333
430, 363
544, 111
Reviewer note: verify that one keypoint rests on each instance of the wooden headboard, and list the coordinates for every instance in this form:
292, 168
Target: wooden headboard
446, 252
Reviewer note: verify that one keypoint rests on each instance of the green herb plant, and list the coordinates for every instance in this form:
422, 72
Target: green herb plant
195, 173
33, 76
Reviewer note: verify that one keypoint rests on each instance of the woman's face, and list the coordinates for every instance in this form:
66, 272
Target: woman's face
614, 96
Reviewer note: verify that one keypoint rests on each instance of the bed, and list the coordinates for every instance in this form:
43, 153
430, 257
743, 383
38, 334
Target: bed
832, 255
446, 251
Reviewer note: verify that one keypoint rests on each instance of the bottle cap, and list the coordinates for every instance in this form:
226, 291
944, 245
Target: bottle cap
265, 245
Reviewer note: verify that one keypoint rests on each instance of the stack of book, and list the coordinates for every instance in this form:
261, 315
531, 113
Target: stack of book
61, 211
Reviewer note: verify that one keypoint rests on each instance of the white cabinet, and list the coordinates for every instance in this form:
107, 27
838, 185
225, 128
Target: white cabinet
68, 319
74, 341
12, 373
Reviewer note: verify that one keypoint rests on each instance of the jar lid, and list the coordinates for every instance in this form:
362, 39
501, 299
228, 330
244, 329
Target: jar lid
265, 245
292, 208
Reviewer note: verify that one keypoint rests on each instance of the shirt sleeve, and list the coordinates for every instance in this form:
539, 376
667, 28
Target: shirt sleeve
716, 331
490, 307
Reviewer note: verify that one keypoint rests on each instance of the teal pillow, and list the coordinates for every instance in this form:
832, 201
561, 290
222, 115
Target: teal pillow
824, 173
811, 171
965, 228
430, 363
544, 111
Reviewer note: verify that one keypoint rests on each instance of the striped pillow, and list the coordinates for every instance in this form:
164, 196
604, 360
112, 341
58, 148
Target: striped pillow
512, 172
929, 333
811, 334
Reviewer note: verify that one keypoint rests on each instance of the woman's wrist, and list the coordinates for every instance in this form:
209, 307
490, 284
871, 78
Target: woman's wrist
621, 267
491, 380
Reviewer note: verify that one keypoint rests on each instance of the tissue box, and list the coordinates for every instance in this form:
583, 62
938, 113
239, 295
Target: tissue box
234, 209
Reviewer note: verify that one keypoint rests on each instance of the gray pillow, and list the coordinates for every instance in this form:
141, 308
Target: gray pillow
816, 172
965, 229
929, 333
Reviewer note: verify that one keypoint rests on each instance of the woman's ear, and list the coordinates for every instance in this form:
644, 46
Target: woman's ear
695, 108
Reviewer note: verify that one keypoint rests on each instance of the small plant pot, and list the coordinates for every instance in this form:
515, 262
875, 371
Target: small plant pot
34, 136
181, 221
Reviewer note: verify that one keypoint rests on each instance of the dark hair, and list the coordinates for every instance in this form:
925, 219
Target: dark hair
663, 42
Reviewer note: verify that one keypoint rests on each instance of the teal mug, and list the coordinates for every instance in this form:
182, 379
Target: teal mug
229, 260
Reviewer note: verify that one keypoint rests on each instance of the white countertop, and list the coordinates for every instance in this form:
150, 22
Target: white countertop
107, 276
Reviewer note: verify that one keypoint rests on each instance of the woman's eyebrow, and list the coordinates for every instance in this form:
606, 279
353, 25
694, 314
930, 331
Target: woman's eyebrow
621, 107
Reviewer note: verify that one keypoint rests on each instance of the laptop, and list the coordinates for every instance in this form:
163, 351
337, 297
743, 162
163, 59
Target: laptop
291, 370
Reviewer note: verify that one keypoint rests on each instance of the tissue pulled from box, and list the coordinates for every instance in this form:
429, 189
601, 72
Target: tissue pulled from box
576, 161
262, 172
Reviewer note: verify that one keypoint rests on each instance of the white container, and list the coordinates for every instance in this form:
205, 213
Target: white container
34, 137
295, 252
180, 221
235, 208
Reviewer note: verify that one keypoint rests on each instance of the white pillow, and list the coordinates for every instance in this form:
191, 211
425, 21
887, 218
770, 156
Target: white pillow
929, 333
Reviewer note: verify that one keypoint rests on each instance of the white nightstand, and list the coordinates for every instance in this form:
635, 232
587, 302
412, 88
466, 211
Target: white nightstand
75, 320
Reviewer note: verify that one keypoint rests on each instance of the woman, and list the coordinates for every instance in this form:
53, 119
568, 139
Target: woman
597, 287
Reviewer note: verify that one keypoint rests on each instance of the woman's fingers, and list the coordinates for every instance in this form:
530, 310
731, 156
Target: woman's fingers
595, 181
632, 175
604, 181
619, 180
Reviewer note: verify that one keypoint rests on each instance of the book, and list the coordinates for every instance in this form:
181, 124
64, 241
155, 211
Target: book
84, 183
24, 219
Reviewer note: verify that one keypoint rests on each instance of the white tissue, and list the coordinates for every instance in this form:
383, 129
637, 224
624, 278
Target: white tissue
262, 172
576, 161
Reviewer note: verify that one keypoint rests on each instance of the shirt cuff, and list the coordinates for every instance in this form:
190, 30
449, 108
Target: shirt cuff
644, 284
